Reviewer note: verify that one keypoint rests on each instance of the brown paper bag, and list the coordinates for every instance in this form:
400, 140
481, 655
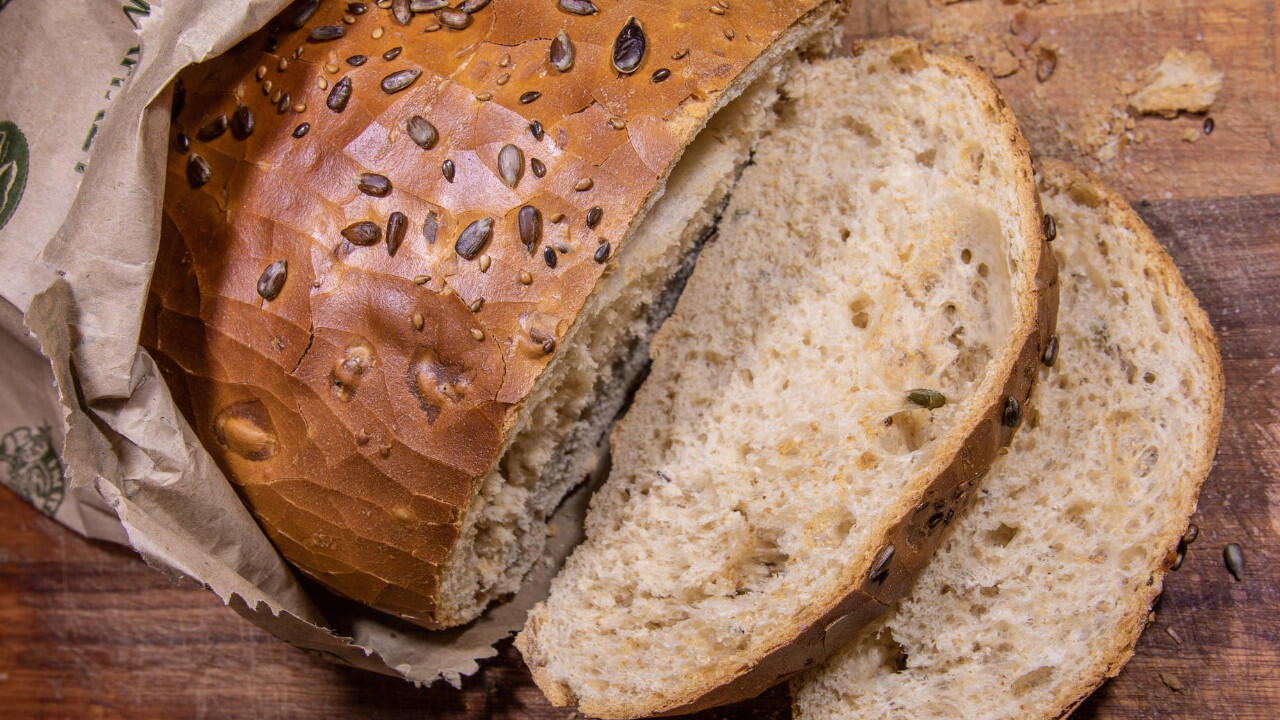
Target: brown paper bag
88, 432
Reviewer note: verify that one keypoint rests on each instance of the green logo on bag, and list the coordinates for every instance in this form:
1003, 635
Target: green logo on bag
13, 168
30, 467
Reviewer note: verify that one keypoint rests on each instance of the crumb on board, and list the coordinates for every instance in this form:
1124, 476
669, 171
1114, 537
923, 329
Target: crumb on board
1181, 82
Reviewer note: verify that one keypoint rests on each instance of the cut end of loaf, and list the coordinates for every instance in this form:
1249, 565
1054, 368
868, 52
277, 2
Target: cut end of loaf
875, 246
1042, 589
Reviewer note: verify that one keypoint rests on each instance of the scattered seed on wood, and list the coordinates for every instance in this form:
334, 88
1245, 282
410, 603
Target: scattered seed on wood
429, 227
453, 18
537, 167
364, 233
584, 184
399, 80
1050, 226
926, 398
1173, 634
528, 97
446, 168
510, 165
340, 95
549, 256
880, 566
198, 171
535, 127
397, 226
301, 130
1050, 355
1208, 126
660, 75
422, 132
1012, 413
1233, 556
1171, 682
529, 224
602, 253
629, 47
562, 52
271, 281
578, 7
1193, 532
357, 60
474, 238
400, 11
325, 33
212, 129
373, 184
593, 216
393, 53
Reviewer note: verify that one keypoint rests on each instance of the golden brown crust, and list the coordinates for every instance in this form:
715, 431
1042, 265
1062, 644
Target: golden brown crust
1058, 176
373, 403
914, 528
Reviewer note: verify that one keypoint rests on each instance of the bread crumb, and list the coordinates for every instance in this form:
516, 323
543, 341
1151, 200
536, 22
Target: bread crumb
1171, 681
1191, 135
1181, 82
1004, 64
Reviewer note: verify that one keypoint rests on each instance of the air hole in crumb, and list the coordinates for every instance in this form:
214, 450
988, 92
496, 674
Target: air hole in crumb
982, 270
926, 157
1147, 461
965, 256
844, 234
1030, 680
1002, 535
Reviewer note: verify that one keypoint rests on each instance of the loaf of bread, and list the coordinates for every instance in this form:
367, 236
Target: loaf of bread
848, 357
411, 254
1042, 588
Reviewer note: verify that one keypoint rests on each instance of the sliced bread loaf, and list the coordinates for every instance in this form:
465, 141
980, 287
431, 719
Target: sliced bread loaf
1041, 590
777, 482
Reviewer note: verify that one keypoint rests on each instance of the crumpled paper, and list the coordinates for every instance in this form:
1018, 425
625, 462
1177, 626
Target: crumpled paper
88, 432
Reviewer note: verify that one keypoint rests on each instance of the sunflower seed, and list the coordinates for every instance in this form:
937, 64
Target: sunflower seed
301, 130
584, 184
1050, 227
271, 281
198, 171
400, 11
453, 18
471, 6
425, 6
474, 238
397, 226
602, 253
422, 132
578, 7
1234, 558
927, 398
364, 233
325, 33
660, 75
1050, 355
535, 127
1012, 413
429, 227
282, 105
529, 222
373, 184
549, 256
1173, 634
880, 566
304, 13
446, 168
397, 81
629, 47
510, 165
181, 143
393, 53
212, 129
242, 123
356, 8
1193, 532
537, 167
357, 60
593, 217
340, 95
529, 97
562, 52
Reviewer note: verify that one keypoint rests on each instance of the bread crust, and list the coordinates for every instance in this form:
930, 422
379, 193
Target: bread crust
357, 410
961, 462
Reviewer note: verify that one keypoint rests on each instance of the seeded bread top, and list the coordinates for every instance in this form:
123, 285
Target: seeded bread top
380, 220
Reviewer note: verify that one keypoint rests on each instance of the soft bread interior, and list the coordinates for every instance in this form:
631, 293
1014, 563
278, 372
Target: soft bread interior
1045, 584
869, 250
560, 436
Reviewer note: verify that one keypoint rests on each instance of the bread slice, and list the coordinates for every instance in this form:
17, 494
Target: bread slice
773, 483
1042, 588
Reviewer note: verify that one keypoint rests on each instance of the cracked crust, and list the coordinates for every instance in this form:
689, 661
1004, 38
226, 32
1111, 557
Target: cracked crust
356, 436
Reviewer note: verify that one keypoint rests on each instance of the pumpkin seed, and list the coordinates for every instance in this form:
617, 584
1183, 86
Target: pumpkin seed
340, 95
510, 165
562, 52
1234, 558
629, 47
926, 398
364, 233
212, 129
374, 184
578, 7
529, 222
399, 80
271, 281
422, 132
474, 238
198, 171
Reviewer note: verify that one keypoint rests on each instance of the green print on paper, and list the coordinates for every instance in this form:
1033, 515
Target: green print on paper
30, 467
14, 161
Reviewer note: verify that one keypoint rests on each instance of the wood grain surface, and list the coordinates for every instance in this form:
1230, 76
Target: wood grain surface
88, 631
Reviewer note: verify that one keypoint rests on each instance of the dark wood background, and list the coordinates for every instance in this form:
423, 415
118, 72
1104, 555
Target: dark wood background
88, 631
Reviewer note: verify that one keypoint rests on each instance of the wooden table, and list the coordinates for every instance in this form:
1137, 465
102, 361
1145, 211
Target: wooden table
87, 630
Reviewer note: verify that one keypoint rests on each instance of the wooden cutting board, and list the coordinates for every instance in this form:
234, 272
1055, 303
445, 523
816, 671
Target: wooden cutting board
87, 630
